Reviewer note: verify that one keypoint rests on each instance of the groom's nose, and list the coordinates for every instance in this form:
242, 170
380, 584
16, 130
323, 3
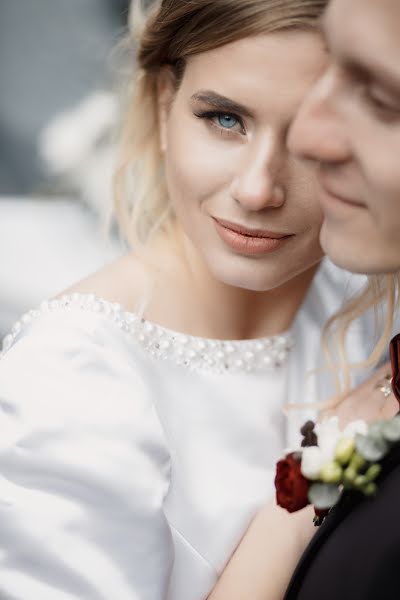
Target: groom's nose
319, 131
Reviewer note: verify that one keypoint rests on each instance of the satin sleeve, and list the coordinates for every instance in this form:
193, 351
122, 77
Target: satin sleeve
84, 468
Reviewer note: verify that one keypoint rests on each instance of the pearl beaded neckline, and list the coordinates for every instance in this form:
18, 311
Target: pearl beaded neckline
218, 356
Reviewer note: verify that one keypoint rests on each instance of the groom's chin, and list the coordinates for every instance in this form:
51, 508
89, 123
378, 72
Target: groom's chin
357, 253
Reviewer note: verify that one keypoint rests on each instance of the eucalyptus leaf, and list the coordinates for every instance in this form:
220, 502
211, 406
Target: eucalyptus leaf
372, 449
375, 430
391, 430
323, 495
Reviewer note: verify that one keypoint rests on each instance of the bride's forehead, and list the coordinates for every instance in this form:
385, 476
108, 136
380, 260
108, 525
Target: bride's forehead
248, 68
260, 54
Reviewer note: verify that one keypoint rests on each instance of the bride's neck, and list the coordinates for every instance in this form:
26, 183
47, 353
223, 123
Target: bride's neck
185, 296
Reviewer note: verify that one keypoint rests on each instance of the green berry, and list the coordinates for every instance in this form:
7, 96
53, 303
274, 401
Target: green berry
373, 472
349, 475
331, 472
370, 489
357, 461
360, 481
344, 450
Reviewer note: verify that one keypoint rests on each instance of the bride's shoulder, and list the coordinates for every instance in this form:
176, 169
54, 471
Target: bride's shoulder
72, 352
123, 281
87, 322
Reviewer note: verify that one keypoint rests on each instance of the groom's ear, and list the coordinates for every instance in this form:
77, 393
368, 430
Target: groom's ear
166, 90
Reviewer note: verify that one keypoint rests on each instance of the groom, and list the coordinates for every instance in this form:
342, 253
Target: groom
350, 125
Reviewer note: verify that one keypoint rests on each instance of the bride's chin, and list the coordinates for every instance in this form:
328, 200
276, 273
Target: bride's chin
253, 280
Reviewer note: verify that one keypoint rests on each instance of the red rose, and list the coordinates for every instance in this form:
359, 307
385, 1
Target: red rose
291, 486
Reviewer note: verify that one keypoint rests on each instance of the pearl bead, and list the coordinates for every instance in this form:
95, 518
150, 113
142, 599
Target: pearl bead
7, 342
16, 328
217, 356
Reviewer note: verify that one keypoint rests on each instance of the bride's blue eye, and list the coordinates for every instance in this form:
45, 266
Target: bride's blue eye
226, 121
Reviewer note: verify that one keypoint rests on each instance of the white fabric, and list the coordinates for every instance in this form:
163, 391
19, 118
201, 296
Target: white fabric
123, 477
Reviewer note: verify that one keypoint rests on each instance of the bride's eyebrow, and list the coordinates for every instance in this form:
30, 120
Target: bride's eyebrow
221, 103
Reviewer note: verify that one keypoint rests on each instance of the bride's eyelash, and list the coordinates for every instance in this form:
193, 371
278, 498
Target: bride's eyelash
209, 115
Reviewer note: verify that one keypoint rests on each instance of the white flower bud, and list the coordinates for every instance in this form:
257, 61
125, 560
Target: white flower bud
311, 462
328, 434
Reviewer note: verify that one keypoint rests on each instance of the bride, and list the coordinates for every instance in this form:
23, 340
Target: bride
141, 412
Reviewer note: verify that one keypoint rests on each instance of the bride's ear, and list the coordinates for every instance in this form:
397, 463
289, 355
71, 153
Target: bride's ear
166, 90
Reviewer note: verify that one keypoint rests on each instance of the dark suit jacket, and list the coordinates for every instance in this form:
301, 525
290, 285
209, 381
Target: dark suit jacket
355, 554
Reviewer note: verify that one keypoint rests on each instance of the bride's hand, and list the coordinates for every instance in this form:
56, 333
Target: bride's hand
264, 561
369, 401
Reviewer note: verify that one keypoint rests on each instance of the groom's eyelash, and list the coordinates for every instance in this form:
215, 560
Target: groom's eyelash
372, 91
385, 109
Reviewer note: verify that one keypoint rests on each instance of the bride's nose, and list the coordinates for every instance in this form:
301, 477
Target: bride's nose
257, 185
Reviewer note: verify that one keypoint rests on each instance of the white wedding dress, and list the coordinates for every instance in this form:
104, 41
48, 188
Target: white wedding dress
132, 458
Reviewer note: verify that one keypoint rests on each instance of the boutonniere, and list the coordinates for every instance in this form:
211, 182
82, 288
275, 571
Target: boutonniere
332, 462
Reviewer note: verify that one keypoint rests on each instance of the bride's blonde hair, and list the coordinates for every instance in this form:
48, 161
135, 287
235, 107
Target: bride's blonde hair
381, 295
164, 34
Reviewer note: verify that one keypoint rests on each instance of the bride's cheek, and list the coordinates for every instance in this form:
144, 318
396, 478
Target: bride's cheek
198, 172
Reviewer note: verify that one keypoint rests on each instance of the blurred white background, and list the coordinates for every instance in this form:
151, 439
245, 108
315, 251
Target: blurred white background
57, 112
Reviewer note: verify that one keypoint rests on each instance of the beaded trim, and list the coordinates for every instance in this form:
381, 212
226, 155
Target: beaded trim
219, 356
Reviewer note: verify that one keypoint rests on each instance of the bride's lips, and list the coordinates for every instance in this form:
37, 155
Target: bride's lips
249, 241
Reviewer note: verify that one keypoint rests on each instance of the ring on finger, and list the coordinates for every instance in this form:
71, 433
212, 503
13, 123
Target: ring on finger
385, 385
